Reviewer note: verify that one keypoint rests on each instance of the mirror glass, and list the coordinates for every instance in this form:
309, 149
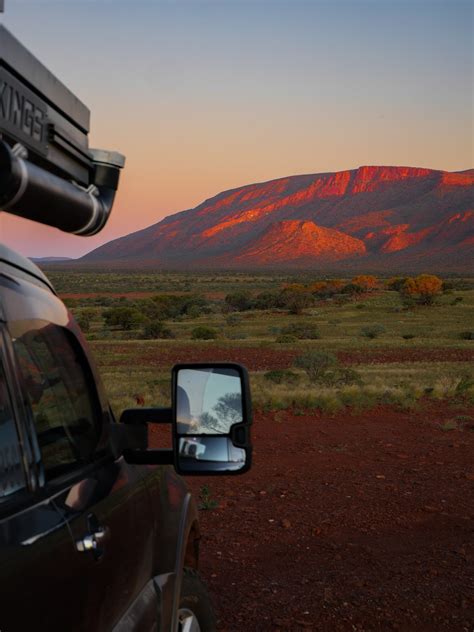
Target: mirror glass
216, 454
208, 401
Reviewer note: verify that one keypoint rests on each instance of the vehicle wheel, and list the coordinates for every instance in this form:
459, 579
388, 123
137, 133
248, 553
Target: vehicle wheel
195, 613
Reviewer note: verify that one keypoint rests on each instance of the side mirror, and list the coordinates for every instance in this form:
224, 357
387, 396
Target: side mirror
211, 419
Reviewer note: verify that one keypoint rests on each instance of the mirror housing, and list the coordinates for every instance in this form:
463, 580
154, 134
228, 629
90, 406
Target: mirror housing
212, 416
227, 443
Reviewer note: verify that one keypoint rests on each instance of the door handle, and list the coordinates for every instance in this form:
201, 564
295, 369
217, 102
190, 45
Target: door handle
93, 541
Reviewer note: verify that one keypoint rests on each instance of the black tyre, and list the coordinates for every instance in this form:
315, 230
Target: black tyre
196, 613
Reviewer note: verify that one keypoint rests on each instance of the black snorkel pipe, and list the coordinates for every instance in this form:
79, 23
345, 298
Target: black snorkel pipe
31, 192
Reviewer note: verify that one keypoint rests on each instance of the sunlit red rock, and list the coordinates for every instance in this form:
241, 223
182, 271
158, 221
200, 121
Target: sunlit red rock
381, 217
301, 240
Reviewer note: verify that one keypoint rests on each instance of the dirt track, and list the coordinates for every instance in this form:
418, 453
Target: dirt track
361, 522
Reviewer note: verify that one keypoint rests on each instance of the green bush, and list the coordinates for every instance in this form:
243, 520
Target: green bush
126, 318
282, 376
267, 300
302, 331
155, 330
239, 301
203, 333
285, 338
373, 331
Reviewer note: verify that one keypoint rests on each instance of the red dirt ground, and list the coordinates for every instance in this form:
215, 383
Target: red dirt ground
350, 522
263, 358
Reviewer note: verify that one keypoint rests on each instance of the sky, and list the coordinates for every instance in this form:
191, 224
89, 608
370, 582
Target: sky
203, 96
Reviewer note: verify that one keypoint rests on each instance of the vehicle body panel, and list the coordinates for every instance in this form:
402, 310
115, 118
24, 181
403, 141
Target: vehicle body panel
146, 510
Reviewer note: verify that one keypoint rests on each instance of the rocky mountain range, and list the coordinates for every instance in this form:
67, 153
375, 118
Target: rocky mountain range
372, 218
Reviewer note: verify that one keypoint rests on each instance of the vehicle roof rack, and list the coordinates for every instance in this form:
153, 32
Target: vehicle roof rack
48, 173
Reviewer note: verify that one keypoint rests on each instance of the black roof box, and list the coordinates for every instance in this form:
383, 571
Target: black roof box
39, 112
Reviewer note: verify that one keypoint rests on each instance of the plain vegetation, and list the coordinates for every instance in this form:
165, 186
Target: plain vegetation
353, 343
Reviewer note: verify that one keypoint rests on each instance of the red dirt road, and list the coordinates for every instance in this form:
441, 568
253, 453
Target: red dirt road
361, 522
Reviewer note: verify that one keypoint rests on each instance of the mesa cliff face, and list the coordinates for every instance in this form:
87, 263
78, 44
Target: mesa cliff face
374, 217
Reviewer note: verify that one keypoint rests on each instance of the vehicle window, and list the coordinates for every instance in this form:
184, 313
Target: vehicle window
11, 471
63, 402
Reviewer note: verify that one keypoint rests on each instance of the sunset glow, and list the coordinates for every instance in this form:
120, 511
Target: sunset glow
207, 96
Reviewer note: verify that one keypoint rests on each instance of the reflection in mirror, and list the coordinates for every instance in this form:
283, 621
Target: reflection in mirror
208, 401
216, 454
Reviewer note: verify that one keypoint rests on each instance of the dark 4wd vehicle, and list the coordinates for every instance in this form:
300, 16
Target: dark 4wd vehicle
97, 530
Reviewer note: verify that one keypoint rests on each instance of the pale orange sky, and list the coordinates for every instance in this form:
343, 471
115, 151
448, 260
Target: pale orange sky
207, 96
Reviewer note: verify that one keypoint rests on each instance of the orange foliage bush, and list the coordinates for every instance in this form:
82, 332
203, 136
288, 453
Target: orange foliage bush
366, 282
423, 288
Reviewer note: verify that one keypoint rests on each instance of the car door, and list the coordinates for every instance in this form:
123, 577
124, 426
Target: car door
99, 503
35, 543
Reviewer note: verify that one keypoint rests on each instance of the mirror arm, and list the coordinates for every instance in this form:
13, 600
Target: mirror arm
147, 416
149, 457
127, 437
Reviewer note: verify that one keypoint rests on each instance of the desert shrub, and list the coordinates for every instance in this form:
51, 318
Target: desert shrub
340, 376
395, 283
422, 289
324, 368
360, 306
282, 376
85, 317
467, 335
366, 282
465, 384
233, 319
166, 306
302, 331
295, 298
352, 289
193, 311
372, 331
408, 336
456, 300
156, 329
70, 302
341, 299
203, 333
239, 301
316, 363
126, 318
236, 335
285, 338
267, 300
326, 289
84, 323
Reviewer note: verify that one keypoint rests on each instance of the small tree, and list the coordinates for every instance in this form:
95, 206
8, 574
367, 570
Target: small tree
316, 363
423, 289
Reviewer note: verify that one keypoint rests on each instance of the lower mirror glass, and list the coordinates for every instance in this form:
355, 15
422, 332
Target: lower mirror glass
213, 454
